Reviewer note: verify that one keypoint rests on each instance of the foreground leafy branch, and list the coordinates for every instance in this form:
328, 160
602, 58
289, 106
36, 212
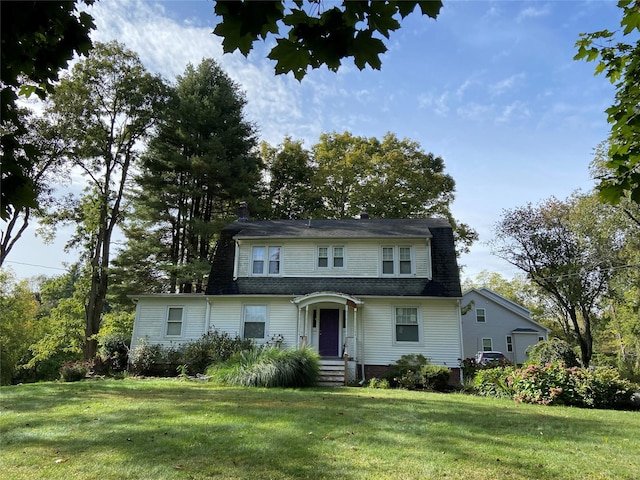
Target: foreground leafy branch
308, 37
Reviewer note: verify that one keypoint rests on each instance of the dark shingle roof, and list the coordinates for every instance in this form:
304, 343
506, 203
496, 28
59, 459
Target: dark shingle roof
351, 228
445, 281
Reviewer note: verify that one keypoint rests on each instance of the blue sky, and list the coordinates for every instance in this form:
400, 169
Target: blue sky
490, 86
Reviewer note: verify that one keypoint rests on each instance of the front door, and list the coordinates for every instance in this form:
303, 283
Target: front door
328, 344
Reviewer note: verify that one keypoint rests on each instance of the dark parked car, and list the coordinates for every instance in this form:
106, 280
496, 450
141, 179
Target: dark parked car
482, 358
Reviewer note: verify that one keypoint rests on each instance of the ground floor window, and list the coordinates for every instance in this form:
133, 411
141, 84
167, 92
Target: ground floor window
407, 325
487, 345
174, 321
255, 321
509, 343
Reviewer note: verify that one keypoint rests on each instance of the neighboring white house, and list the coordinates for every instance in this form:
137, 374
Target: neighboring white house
373, 289
494, 323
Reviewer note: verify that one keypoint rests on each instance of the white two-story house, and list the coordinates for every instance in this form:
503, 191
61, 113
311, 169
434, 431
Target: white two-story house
368, 289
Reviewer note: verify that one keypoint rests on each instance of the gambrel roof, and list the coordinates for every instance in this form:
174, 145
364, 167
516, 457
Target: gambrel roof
445, 281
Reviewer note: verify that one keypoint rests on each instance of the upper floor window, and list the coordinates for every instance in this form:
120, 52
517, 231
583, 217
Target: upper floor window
397, 260
330, 257
481, 316
174, 321
266, 260
407, 324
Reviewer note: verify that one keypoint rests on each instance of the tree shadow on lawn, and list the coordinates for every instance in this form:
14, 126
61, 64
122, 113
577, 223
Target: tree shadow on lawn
313, 433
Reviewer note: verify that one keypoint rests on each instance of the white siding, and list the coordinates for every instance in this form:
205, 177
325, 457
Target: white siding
362, 258
440, 335
151, 319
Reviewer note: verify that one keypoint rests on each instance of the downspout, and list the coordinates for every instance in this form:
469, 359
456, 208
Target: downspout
207, 316
362, 365
298, 338
355, 335
136, 324
236, 260
461, 343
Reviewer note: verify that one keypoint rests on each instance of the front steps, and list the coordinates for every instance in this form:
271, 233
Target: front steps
332, 372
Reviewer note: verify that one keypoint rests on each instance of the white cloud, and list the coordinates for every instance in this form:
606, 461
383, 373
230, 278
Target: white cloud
437, 103
533, 12
475, 111
513, 111
506, 84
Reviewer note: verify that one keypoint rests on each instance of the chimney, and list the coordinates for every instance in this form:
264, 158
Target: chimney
364, 216
243, 212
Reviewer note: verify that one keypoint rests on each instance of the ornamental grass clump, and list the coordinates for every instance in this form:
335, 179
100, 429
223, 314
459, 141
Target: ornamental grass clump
268, 367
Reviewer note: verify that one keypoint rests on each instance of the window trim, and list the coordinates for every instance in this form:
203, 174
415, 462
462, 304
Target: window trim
484, 315
182, 321
509, 340
266, 261
266, 321
420, 324
490, 349
395, 249
331, 257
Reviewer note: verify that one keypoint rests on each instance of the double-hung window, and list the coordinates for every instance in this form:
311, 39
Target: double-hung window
509, 343
175, 321
387, 260
330, 257
487, 345
407, 324
255, 322
397, 260
265, 260
481, 316
338, 257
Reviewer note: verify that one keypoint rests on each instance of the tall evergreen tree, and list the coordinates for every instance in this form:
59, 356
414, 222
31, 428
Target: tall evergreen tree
197, 168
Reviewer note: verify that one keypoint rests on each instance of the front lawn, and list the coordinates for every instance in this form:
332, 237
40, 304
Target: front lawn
170, 429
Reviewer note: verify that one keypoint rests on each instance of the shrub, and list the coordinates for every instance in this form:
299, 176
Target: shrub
435, 377
493, 382
213, 347
381, 383
551, 351
469, 367
405, 372
268, 367
74, 371
604, 388
144, 357
551, 384
555, 384
114, 350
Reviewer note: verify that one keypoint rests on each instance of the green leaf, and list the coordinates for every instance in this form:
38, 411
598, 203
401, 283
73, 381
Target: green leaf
367, 49
290, 58
610, 193
27, 90
430, 8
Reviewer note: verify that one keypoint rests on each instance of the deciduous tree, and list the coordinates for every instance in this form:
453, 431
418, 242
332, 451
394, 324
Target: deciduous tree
566, 249
38, 39
619, 58
102, 111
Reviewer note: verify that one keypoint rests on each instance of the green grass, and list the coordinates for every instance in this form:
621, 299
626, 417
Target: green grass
168, 429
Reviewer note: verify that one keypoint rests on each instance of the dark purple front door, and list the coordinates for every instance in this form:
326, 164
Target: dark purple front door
329, 332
